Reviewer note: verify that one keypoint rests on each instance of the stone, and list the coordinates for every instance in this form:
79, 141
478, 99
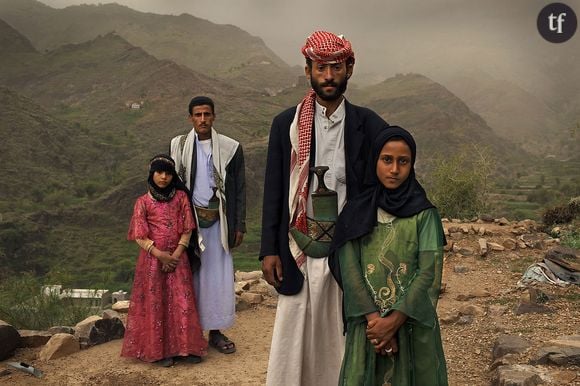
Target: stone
9, 340
449, 246
252, 298
453, 229
32, 338
241, 286
263, 288
248, 276
482, 247
536, 296
465, 229
495, 246
118, 296
516, 375
83, 328
531, 308
563, 351
456, 235
449, 317
521, 244
481, 231
465, 319
506, 360
466, 251
503, 221
456, 221
471, 309
122, 306
105, 330
557, 355
460, 269
509, 244
486, 218
61, 330
241, 304
464, 297
563, 253
58, 346
509, 344
110, 314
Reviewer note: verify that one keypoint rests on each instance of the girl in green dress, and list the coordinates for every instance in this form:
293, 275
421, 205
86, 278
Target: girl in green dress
389, 244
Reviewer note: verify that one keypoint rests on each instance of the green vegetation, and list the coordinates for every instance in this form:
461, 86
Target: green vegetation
23, 305
459, 184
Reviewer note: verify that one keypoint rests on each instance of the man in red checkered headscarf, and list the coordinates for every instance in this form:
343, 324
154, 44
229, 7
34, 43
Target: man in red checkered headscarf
323, 130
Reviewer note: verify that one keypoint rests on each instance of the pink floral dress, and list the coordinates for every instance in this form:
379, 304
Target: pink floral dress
163, 321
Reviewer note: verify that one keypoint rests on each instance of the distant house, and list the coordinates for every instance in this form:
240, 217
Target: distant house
135, 106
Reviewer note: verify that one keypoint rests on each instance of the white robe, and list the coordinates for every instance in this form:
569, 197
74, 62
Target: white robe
307, 342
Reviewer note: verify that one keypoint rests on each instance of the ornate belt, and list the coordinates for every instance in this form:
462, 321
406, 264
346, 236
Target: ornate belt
207, 217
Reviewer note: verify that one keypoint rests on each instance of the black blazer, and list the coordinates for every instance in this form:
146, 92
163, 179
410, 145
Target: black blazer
361, 127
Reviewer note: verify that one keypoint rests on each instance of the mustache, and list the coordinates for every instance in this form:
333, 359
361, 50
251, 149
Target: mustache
327, 84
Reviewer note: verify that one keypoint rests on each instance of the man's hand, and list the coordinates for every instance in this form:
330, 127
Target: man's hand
239, 237
272, 270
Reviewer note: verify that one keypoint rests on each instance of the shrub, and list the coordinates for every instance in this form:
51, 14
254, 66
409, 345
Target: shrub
458, 185
23, 306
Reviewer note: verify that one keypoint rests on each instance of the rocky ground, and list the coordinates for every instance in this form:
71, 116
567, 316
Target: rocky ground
483, 315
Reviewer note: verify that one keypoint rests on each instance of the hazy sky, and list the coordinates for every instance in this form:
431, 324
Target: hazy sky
387, 35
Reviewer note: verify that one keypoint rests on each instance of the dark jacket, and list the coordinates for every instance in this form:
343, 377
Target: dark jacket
361, 126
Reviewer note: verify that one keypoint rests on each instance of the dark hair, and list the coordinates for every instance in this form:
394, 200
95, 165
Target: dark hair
349, 62
200, 101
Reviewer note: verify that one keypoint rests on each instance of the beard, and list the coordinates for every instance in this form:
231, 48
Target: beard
340, 88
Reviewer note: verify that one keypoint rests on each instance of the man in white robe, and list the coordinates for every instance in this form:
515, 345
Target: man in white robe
212, 167
323, 130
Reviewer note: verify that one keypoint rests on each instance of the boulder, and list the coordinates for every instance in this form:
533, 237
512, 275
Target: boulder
9, 340
61, 330
248, 276
110, 314
83, 328
516, 375
122, 306
32, 338
58, 346
105, 330
252, 298
509, 344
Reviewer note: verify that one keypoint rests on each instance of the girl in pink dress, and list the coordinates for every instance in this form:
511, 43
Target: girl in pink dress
163, 322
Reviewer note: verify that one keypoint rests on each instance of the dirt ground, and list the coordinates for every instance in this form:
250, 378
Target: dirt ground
468, 346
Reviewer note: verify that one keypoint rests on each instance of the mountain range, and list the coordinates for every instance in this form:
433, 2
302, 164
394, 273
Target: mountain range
67, 87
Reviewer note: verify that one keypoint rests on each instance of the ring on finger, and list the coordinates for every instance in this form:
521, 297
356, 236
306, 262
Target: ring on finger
375, 341
389, 350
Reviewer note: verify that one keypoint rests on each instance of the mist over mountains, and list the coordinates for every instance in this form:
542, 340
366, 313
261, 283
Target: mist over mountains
68, 79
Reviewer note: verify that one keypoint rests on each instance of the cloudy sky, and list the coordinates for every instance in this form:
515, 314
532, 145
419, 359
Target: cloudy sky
388, 36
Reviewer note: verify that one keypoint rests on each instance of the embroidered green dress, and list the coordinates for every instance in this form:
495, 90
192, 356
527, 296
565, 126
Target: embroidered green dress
396, 267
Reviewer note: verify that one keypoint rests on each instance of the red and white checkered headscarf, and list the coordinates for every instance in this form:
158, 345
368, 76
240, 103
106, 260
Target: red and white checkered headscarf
326, 47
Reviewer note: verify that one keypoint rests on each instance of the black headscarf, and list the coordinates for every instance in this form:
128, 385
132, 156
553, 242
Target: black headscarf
359, 216
164, 163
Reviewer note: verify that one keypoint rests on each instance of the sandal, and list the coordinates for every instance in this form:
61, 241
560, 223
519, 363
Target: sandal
222, 343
